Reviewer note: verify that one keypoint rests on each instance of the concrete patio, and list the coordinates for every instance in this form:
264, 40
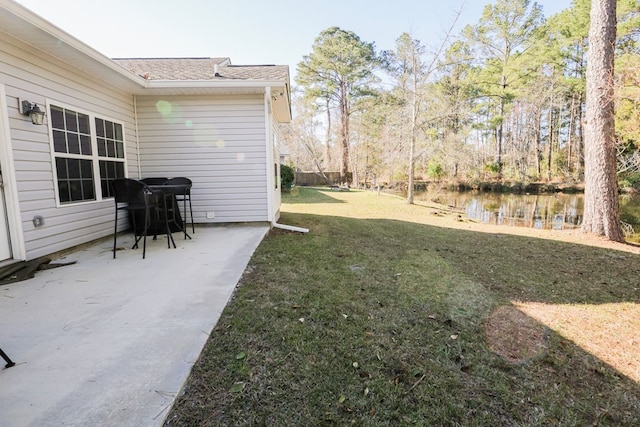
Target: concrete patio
110, 342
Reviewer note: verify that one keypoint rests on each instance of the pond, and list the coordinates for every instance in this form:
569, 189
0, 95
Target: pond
556, 211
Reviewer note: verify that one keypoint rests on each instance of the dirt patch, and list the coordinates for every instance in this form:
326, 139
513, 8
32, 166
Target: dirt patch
514, 335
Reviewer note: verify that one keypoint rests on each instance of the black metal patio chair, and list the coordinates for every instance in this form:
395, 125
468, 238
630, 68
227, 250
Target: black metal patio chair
136, 198
184, 195
10, 362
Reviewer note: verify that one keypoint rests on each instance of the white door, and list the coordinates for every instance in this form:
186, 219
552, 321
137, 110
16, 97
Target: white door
5, 239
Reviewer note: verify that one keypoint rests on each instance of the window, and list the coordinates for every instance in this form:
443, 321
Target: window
88, 152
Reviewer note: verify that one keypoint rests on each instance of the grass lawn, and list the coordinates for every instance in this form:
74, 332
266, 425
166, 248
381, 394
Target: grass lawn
389, 314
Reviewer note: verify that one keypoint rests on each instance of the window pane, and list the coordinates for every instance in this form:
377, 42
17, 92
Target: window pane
105, 188
102, 149
59, 142
88, 191
71, 121
111, 149
63, 192
99, 127
108, 129
61, 168
75, 188
83, 123
120, 150
86, 169
85, 144
118, 131
57, 117
73, 168
74, 143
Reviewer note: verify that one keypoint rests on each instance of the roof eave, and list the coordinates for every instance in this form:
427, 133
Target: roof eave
171, 84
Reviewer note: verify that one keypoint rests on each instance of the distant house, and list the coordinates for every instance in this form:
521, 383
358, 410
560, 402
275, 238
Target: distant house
204, 118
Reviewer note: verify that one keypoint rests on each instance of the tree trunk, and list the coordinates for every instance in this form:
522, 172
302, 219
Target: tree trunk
601, 203
499, 136
328, 138
538, 145
570, 131
414, 129
344, 133
550, 146
580, 140
412, 169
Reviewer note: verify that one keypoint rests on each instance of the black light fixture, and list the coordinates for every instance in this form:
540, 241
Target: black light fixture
33, 111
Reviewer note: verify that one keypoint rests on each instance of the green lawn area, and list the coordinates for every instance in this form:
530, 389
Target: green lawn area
389, 314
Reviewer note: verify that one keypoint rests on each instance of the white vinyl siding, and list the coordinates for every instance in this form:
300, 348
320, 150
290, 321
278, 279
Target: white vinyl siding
35, 76
219, 142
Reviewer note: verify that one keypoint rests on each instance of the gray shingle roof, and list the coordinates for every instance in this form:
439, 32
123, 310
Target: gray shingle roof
201, 69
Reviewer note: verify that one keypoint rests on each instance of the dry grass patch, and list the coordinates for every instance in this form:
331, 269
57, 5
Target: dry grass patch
611, 332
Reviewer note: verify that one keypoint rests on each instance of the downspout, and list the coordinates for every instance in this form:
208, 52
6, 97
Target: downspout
135, 124
290, 227
270, 159
268, 154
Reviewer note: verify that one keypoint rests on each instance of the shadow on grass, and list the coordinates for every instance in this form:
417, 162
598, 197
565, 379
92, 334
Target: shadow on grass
514, 267
381, 322
309, 195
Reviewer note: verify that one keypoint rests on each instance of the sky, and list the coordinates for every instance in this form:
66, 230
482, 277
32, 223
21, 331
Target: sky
252, 32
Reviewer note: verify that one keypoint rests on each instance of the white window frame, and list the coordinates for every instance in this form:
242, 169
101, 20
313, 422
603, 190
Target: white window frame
94, 157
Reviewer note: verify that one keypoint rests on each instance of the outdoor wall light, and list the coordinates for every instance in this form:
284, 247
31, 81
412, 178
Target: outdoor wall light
33, 111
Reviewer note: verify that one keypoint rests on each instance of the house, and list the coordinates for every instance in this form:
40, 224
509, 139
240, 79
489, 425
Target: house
204, 118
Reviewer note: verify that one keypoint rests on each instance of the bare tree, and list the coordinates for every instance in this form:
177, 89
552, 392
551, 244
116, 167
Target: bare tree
601, 204
412, 73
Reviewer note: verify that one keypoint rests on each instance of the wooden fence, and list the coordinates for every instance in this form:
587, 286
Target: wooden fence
314, 178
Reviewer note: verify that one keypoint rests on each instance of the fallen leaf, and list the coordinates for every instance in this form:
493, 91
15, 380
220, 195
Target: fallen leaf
237, 388
454, 337
241, 355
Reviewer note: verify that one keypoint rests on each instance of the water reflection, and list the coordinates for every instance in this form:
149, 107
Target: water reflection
553, 211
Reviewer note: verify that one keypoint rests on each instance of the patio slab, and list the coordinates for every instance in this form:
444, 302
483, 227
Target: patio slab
110, 342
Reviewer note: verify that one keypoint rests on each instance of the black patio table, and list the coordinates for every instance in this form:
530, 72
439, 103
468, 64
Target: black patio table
170, 219
167, 219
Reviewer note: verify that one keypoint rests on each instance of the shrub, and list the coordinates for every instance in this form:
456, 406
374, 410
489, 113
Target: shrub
630, 180
435, 170
287, 176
